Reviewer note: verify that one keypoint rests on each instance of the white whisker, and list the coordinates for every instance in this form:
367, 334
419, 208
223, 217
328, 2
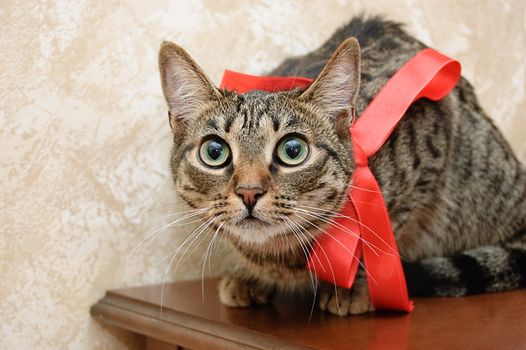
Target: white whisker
314, 280
365, 189
339, 242
334, 223
303, 247
346, 229
330, 265
196, 232
171, 224
207, 252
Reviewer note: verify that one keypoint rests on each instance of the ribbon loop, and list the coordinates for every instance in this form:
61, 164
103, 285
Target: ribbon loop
428, 74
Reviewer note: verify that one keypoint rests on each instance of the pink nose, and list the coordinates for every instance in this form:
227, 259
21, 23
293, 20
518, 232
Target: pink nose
249, 195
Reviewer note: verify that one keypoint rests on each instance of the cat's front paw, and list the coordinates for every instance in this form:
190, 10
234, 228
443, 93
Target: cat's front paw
237, 292
343, 301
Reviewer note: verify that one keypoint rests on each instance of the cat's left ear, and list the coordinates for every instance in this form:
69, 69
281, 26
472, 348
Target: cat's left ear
186, 87
336, 87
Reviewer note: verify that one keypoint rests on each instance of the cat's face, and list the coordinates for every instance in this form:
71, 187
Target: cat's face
262, 164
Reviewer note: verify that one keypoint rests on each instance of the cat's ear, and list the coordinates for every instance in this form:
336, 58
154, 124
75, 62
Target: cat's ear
186, 87
336, 87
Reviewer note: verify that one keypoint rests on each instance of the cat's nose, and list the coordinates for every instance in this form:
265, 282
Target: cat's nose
250, 195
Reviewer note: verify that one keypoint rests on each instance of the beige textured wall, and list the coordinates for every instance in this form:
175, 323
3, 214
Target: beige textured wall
84, 137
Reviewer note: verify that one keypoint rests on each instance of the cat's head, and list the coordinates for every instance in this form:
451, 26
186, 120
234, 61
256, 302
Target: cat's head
264, 164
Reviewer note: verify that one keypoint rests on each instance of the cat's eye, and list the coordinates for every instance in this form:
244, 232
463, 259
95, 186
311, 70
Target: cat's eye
214, 152
292, 150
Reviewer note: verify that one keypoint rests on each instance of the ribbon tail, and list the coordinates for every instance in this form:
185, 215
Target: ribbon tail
385, 275
336, 254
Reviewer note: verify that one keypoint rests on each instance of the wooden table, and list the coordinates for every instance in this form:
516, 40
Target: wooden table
191, 320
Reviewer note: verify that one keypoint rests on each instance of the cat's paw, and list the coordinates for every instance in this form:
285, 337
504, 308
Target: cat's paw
343, 301
236, 292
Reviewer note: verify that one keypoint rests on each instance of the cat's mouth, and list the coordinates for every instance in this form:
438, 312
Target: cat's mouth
251, 220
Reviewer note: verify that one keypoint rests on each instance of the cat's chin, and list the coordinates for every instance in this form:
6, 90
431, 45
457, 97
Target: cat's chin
252, 222
254, 231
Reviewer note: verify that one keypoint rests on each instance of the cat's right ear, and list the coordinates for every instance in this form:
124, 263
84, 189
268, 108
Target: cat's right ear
336, 87
185, 86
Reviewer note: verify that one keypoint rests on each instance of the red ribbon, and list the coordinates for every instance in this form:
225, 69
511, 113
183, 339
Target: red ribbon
363, 227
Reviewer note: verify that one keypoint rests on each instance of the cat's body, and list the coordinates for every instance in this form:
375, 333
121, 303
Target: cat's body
455, 192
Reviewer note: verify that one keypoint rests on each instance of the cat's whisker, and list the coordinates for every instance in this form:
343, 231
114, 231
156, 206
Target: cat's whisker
304, 248
174, 255
214, 246
174, 204
186, 212
171, 224
222, 234
188, 223
346, 229
312, 251
340, 243
330, 266
183, 259
366, 203
167, 211
221, 238
365, 189
294, 232
298, 235
284, 236
207, 253
310, 246
191, 236
314, 280
337, 214
332, 222
204, 233
197, 232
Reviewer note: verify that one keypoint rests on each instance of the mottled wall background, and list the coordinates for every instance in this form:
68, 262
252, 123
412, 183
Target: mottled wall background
84, 138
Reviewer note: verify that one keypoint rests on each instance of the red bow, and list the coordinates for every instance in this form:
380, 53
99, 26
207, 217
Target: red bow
363, 227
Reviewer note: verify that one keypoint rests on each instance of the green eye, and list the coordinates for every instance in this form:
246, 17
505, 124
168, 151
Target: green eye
292, 150
214, 152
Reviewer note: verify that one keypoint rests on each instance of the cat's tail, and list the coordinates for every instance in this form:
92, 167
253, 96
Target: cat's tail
480, 270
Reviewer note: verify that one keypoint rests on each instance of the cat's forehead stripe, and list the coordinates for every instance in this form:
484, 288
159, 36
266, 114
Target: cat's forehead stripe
229, 119
212, 124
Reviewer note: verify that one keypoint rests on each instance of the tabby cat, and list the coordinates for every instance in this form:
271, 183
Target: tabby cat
271, 170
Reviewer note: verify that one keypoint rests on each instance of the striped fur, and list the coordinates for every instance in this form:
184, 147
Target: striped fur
455, 191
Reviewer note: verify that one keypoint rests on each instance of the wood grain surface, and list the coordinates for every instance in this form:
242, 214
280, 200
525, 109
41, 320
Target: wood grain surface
192, 317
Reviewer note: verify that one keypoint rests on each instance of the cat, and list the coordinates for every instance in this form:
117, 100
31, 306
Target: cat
273, 169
